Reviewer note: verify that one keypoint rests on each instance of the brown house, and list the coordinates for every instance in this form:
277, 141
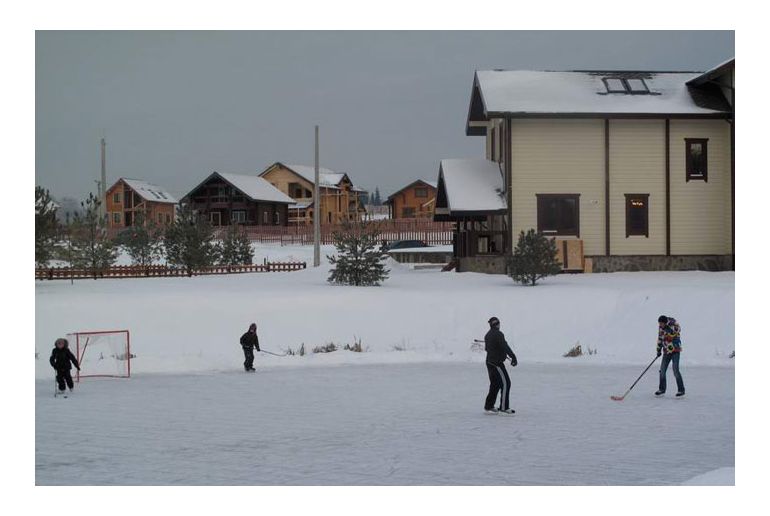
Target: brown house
340, 200
415, 200
131, 202
226, 199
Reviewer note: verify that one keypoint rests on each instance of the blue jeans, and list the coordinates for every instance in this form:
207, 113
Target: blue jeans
673, 358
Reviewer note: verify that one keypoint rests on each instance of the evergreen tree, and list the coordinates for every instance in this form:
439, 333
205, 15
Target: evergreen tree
360, 257
236, 248
89, 245
534, 258
189, 241
142, 242
377, 201
46, 227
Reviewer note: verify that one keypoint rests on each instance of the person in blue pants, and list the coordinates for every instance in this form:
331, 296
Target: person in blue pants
670, 346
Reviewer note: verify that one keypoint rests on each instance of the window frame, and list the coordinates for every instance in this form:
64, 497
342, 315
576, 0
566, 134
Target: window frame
117, 198
239, 212
690, 175
646, 199
548, 232
117, 217
421, 192
623, 85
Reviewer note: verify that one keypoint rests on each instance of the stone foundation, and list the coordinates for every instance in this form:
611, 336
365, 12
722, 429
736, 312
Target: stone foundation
618, 263
485, 264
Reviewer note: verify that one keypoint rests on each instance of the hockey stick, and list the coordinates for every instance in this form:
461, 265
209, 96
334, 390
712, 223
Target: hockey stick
621, 398
271, 353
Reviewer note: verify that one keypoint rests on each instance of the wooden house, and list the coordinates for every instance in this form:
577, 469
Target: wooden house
635, 169
226, 199
415, 200
340, 200
131, 201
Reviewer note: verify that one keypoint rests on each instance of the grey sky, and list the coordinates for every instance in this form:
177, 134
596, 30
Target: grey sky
176, 105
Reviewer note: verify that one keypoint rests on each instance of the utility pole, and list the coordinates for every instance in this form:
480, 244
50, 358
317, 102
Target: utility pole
103, 184
317, 208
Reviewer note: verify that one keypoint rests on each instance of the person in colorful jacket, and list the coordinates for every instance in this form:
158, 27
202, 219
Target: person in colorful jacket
670, 346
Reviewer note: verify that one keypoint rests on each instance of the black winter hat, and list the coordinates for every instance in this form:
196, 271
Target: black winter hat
493, 321
663, 319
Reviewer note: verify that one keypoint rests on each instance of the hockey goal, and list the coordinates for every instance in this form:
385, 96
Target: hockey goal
105, 354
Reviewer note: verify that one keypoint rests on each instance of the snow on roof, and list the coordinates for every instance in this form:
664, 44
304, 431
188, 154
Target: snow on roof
472, 185
327, 178
149, 191
432, 184
257, 188
538, 92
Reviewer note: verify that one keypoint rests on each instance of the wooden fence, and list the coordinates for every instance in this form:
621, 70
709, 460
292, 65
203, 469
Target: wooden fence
155, 271
432, 233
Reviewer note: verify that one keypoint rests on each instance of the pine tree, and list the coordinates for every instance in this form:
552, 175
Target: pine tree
46, 227
377, 201
142, 242
236, 248
534, 258
360, 257
89, 245
189, 241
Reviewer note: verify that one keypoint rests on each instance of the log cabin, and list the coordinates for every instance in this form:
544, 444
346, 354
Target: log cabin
414, 201
627, 170
132, 201
340, 199
226, 199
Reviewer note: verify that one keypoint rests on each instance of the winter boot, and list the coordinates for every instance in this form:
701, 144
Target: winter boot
659, 393
491, 411
680, 394
506, 412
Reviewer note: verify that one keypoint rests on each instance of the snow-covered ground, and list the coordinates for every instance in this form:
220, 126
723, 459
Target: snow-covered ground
407, 411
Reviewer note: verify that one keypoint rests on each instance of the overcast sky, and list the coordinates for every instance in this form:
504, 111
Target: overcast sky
175, 106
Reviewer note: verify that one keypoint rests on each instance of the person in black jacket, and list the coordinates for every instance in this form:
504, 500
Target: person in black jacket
62, 361
249, 341
497, 351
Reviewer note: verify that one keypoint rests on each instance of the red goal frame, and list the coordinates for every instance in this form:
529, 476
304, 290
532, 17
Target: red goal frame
79, 354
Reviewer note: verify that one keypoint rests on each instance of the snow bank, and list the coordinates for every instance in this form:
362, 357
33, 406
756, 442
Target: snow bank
717, 477
193, 324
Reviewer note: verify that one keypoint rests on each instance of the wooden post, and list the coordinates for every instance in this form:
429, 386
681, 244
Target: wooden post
316, 211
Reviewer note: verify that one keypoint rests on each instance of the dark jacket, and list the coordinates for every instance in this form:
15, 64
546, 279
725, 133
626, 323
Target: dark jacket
496, 347
62, 359
250, 340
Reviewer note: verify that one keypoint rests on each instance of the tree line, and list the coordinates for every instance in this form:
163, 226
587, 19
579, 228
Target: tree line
82, 240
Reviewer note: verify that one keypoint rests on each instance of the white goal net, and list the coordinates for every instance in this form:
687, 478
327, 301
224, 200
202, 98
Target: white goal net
102, 353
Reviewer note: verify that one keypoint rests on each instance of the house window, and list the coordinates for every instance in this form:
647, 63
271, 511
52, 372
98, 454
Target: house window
168, 218
238, 216
407, 212
265, 217
160, 218
637, 215
696, 159
615, 85
632, 85
421, 192
277, 218
558, 214
116, 217
116, 197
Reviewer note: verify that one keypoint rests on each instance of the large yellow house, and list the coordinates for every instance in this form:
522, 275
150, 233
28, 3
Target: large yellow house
340, 199
631, 170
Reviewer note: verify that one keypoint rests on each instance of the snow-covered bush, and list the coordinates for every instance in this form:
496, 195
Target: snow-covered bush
46, 227
189, 241
326, 348
88, 245
360, 258
236, 248
534, 258
142, 242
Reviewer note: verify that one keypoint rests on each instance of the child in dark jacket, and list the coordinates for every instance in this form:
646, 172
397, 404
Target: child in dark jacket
250, 341
62, 360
